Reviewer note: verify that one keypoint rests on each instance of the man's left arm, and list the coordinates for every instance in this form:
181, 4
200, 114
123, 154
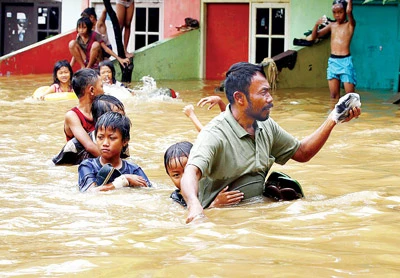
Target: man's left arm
189, 190
313, 143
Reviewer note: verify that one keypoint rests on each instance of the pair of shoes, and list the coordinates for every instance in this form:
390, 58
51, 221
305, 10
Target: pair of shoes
107, 174
302, 42
281, 187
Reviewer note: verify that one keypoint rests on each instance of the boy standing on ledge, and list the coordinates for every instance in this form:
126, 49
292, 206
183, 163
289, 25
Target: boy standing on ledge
340, 63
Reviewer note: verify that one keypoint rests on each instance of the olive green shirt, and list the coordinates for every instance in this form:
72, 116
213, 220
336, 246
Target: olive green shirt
225, 152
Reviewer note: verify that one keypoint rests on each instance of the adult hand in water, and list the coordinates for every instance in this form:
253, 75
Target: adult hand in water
195, 212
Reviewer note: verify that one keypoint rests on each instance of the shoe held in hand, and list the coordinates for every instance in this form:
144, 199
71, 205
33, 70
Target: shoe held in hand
344, 105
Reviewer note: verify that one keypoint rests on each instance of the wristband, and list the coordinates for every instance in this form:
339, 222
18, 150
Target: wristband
120, 182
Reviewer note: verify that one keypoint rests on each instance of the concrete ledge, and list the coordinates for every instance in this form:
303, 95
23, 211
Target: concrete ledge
176, 58
310, 68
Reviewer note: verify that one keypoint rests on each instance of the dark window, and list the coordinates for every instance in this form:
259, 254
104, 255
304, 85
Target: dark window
48, 22
262, 21
261, 49
154, 19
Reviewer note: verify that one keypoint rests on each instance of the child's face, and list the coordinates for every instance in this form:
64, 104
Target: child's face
63, 75
110, 143
106, 75
82, 30
339, 13
176, 168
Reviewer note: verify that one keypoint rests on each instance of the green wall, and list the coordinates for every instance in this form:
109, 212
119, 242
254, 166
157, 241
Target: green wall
175, 58
376, 46
305, 13
310, 68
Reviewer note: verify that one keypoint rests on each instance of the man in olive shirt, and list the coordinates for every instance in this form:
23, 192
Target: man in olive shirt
243, 142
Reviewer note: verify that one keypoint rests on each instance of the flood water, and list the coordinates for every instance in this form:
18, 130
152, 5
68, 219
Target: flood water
346, 226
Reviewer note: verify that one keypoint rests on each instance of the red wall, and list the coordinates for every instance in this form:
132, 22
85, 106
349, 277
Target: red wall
38, 58
175, 12
227, 38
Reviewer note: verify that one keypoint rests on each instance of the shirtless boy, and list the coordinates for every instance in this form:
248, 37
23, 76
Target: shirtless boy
340, 63
79, 120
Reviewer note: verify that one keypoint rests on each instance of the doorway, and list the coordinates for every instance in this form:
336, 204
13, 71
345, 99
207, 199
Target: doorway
227, 38
18, 26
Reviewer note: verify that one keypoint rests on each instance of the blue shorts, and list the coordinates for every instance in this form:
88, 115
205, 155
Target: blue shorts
341, 68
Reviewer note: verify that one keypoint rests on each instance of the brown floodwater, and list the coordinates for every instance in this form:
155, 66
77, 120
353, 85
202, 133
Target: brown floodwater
346, 226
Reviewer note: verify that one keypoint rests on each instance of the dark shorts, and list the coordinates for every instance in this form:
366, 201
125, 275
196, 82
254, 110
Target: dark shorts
105, 54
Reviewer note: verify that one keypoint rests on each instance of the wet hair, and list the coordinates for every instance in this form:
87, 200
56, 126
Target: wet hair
110, 65
340, 2
105, 103
83, 78
88, 12
58, 65
238, 78
115, 121
177, 150
84, 21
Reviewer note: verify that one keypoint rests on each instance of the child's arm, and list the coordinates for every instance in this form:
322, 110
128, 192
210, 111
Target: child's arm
136, 180
349, 12
123, 62
189, 112
50, 90
227, 198
212, 100
320, 33
74, 124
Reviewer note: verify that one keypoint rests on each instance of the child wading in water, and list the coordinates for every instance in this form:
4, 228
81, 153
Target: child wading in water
107, 73
112, 136
340, 63
88, 46
73, 152
175, 159
79, 120
62, 76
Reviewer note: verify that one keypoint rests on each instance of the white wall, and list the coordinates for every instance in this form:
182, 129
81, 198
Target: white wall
71, 12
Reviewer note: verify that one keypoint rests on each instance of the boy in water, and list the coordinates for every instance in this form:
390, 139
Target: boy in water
73, 152
340, 63
175, 160
112, 136
79, 120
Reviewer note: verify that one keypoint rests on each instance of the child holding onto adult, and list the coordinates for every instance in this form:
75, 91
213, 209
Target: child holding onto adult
62, 76
88, 47
211, 100
125, 10
175, 160
73, 152
340, 63
109, 171
79, 120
